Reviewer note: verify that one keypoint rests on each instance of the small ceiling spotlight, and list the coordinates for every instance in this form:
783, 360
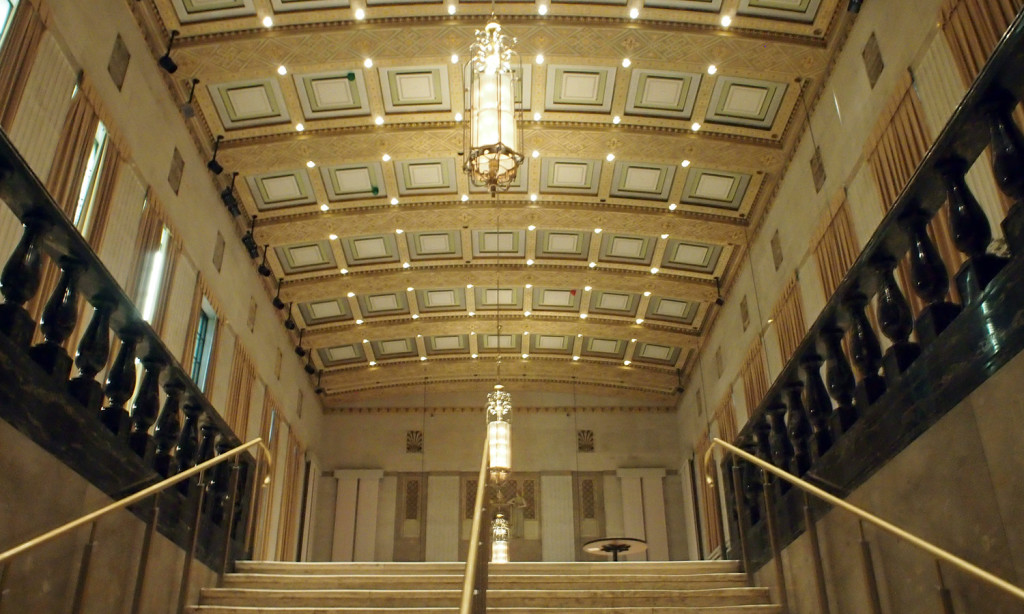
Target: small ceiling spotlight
712, 69
672, 207
684, 163
727, 21
165, 60
542, 9
639, 320
695, 126
368, 62
268, 22
654, 270
386, 158
592, 265
616, 120
281, 70
626, 62
455, 58
540, 58
379, 120
533, 198
213, 165
394, 201
451, 10
458, 117
360, 14
324, 208
634, 13
299, 127
610, 157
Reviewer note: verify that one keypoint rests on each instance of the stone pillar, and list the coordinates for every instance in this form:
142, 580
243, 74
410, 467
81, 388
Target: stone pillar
355, 516
386, 518
557, 522
443, 505
643, 511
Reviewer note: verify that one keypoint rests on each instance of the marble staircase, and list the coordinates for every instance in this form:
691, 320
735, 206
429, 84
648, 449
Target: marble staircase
688, 587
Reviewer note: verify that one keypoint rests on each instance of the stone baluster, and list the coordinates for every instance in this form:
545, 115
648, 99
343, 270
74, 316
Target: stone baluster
819, 406
59, 317
219, 483
1007, 163
798, 428
145, 408
896, 321
866, 353
971, 233
165, 433
929, 278
781, 447
755, 476
93, 350
120, 385
19, 282
839, 380
207, 438
188, 437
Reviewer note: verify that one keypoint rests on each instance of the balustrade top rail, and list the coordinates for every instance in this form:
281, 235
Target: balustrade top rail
29, 199
964, 137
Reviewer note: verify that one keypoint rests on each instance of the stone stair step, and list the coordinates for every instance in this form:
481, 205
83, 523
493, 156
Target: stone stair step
735, 609
587, 568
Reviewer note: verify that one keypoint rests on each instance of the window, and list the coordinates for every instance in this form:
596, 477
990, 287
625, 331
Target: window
87, 195
152, 281
6, 12
206, 329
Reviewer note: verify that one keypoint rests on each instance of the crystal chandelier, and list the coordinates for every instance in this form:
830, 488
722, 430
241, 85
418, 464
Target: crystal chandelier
499, 540
499, 433
493, 137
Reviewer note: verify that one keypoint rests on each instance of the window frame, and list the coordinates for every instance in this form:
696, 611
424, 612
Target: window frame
85, 208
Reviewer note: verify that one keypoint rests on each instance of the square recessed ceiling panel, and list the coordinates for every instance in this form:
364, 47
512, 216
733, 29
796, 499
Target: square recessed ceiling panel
790, 10
551, 344
394, 348
341, 354
415, 89
499, 243
241, 104
436, 176
446, 344
655, 354
570, 176
580, 88
745, 102
386, 304
556, 299
490, 342
305, 257
691, 256
340, 93
711, 188
693, 5
627, 249
614, 303
372, 249
441, 299
207, 10
641, 180
493, 298
352, 181
523, 86
283, 6
325, 312
281, 190
604, 348
429, 245
672, 310
659, 93
563, 244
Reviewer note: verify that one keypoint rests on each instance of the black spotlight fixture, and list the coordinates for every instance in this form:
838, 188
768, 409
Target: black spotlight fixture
263, 268
213, 165
718, 287
309, 365
289, 322
165, 60
319, 388
854, 6
227, 196
187, 109
250, 241
299, 350
277, 302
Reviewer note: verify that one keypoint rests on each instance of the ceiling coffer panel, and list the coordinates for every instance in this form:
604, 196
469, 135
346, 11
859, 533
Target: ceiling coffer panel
370, 249
714, 188
691, 256
790, 10
363, 180
751, 103
570, 176
341, 355
642, 180
415, 89
338, 93
243, 104
661, 93
587, 89
306, 257
281, 190
563, 244
190, 11
325, 312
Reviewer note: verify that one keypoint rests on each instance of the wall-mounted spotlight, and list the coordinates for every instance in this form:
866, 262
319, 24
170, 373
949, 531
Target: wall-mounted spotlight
309, 364
299, 350
213, 165
718, 287
250, 242
187, 109
263, 269
854, 6
319, 388
227, 196
289, 322
165, 60
277, 302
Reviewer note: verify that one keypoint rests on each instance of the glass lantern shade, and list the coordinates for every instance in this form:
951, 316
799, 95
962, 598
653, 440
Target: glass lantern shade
499, 540
499, 432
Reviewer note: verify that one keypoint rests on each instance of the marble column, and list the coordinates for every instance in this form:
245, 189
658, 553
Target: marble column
386, 519
557, 522
355, 516
643, 511
443, 518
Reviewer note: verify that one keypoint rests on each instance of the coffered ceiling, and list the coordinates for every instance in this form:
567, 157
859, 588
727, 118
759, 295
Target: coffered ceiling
654, 136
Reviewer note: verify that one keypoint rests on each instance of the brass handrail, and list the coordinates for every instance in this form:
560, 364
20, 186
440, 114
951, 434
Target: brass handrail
465, 606
886, 526
142, 494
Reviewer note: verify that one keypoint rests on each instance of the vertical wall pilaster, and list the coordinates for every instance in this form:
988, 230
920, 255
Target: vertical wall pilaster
443, 518
355, 516
557, 522
643, 511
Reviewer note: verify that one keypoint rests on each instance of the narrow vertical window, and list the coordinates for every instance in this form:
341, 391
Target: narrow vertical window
206, 328
6, 11
87, 195
153, 280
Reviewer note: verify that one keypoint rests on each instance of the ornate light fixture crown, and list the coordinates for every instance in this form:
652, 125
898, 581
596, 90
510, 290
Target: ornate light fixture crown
499, 433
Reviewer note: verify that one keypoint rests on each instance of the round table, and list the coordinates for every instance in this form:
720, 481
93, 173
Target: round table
615, 546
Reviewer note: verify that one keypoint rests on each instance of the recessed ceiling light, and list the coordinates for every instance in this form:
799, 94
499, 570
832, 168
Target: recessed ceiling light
575, 357
332, 237
415, 316
359, 321
360, 14
469, 285
536, 153
616, 120
633, 340
455, 58
626, 362
634, 13
409, 289
626, 62
528, 286
587, 288
639, 320
647, 293
385, 157
592, 264
299, 127
664, 236
475, 355
281, 70
672, 207
344, 271
536, 116
726, 21
368, 62
526, 333
712, 69
542, 9
526, 314
351, 294
451, 9
685, 163
458, 117
324, 207
471, 314
379, 120
526, 355
529, 262
366, 340
531, 227
654, 270
310, 164
373, 363
399, 231
405, 265
268, 22
423, 357
540, 58
598, 231
394, 201
580, 335
583, 316
610, 157
465, 197
695, 126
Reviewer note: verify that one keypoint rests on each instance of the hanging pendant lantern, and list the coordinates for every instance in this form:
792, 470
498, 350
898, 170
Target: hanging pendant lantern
499, 433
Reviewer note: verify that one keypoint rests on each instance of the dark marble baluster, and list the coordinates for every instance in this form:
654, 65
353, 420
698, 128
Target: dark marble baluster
798, 428
819, 406
896, 321
221, 477
20, 281
929, 278
58, 321
865, 351
145, 408
93, 350
165, 433
971, 233
781, 447
839, 380
207, 438
753, 484
1008, 163
120, 386
188, 438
